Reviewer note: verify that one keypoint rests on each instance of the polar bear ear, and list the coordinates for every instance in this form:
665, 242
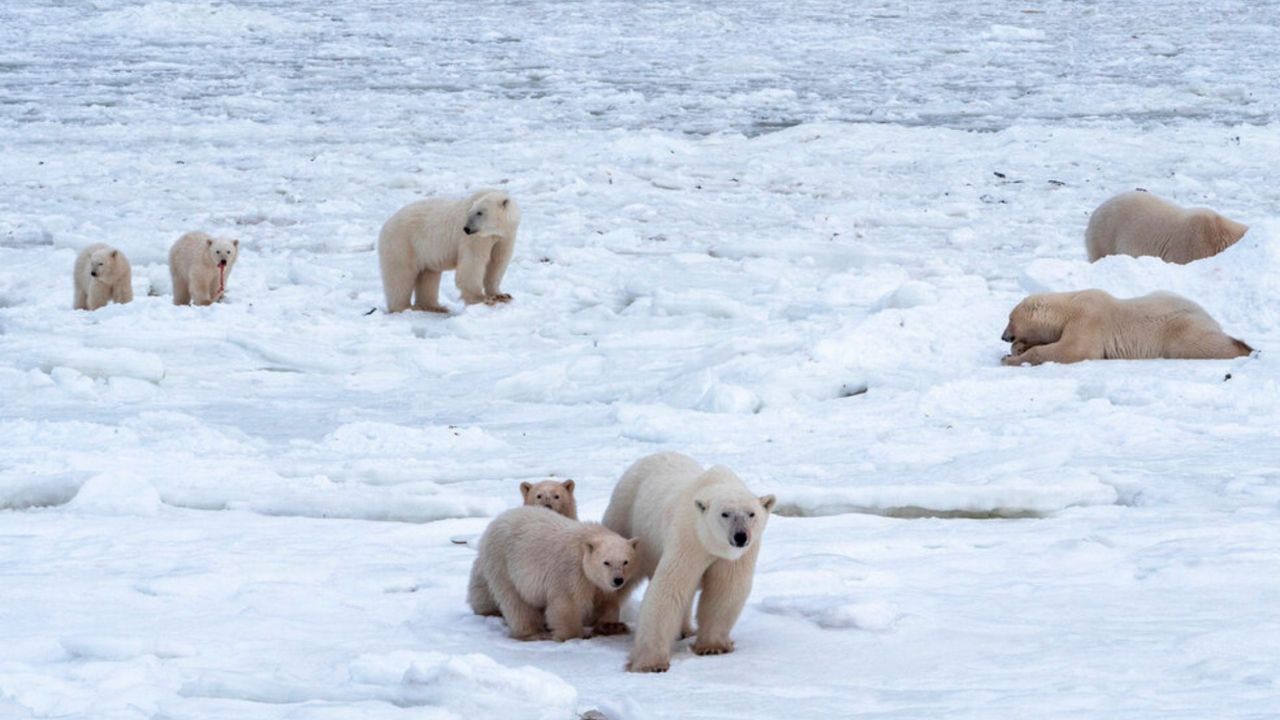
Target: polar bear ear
590, 546
634, 542
568, 486
702, 507
209, 242
236, 242
506, 201
525, 487
768, 501
115, 253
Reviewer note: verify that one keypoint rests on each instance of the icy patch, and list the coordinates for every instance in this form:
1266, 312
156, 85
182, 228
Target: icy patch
833, 612
995, 500
103, 647
376, 438
177, 23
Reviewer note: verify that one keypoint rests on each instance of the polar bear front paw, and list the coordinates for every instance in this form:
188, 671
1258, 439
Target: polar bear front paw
713, 648
611, 628
497, 299
653, 665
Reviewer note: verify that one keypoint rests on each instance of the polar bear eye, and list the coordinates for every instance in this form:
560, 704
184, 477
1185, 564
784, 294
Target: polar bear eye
557, 497
751, 514
479, 213
724, 514
606, 564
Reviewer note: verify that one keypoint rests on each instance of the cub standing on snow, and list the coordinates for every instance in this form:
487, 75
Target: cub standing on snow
200, 265
538, 568
697, 528
474, 236
553, 495
1138, 223
102, 275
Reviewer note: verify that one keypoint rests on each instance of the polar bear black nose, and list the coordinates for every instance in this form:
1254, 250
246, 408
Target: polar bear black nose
468, 230
222, 263
1007, 336
617, 582
739, 539
94, 273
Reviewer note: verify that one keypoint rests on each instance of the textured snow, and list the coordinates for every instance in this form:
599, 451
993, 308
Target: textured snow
781, 237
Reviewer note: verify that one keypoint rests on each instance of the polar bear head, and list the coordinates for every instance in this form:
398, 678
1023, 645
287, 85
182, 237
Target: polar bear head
730, 518
492, 213
222, 252
1037, 320
555, 496
608, 559
105, 264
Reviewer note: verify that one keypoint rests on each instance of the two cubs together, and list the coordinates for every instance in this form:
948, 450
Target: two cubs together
689, 529
199, 265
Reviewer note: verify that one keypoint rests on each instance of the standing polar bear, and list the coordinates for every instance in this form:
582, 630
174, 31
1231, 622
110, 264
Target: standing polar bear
697, 528
474, 236
1138, 223
102, 275
199, 265
1093, 325
536, 567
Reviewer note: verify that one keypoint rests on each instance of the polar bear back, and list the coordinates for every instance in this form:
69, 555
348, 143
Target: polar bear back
1138, 223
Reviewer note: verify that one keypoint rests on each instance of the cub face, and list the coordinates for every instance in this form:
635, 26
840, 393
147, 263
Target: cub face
728, 525
493, 213
555, 496
102, 264
1032, 323
222, 251
608, 560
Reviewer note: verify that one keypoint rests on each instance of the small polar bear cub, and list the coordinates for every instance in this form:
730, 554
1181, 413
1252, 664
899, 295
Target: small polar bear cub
200, 265
553, 495
697, 529
539, 568
102, 275
474, 237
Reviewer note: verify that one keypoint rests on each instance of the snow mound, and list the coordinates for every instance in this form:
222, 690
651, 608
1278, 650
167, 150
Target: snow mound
117, 494
470, 686
833, 612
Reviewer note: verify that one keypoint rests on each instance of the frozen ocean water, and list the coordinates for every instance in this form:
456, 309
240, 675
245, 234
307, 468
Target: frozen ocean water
780, 236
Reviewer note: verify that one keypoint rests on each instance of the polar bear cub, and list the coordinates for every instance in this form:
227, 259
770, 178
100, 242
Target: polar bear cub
102, 275
536, 567
1092, 325
551, 494
200, 265
697, 528
1138, 223
474, 237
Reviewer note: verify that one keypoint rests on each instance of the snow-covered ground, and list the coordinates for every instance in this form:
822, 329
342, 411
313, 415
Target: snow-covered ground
780, 236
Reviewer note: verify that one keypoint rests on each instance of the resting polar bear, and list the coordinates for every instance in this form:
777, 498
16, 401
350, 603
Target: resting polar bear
102, 275
474, 236
696, 529
199, 265
1138, 223
1093, 325
552, 495
533, 560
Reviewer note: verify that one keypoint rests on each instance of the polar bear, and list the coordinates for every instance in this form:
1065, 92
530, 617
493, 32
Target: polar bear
533, 561
200, 265
697, 528
1138, 223
474, 236
102, 275
553, 495
1093, 325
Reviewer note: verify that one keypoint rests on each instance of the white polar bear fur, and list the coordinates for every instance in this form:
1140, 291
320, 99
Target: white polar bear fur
474, 236
102, 275
194, 262
685, 519
533, 561
1138, 223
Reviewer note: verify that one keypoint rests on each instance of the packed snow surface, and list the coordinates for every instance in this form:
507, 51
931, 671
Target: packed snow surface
783, 237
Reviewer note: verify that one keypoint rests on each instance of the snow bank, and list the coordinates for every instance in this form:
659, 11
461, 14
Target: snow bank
995, 497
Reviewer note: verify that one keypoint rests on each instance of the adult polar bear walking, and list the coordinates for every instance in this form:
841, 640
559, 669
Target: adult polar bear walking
697, 528
474, 236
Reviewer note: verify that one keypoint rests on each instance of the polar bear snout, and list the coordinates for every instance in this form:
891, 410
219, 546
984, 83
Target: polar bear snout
468, 229
740, 539
618, 581
1008, 335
